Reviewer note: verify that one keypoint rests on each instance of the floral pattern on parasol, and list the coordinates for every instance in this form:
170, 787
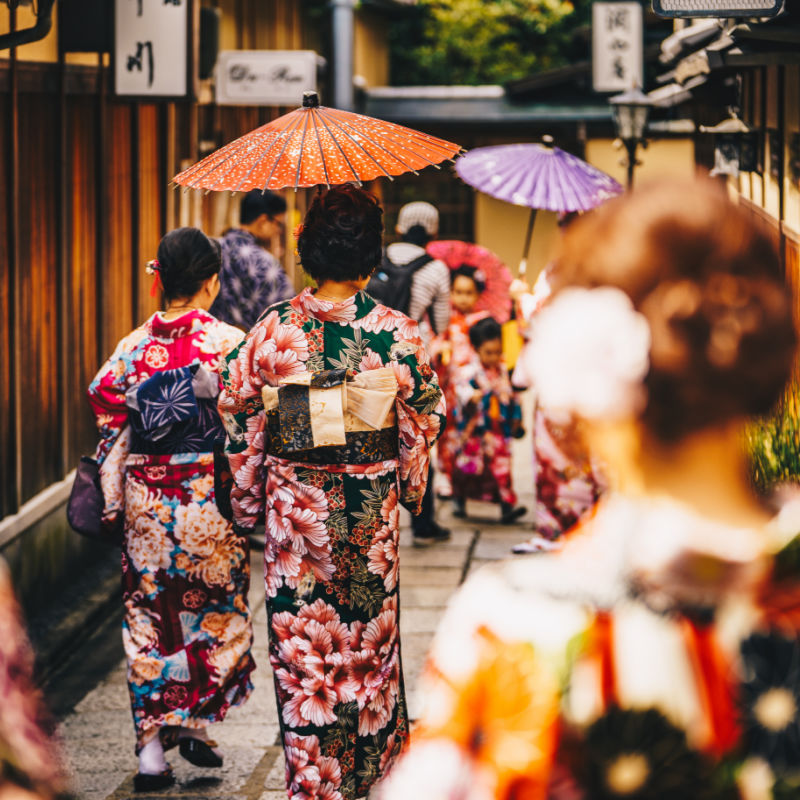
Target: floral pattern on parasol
495, 298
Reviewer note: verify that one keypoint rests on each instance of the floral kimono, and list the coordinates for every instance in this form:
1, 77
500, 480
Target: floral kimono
331, 514
656, 656
29, 759
451, 352
482, 466
187, 627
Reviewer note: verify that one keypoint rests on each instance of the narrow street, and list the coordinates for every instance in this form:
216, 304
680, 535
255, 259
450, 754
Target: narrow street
97, 730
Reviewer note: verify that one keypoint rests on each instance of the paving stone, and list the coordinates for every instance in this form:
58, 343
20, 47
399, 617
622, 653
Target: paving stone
419, 620
429, 576
423, 596
433, 556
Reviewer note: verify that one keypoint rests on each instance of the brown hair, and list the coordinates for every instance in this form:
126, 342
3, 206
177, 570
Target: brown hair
707, 278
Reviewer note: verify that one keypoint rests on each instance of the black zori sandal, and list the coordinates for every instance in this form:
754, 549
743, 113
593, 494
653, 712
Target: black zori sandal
145, 782
199, 753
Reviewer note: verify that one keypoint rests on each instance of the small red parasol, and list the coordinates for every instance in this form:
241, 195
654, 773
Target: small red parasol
314, 145
495, 298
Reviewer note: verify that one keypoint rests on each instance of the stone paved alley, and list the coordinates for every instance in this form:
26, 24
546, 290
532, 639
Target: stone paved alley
98, 733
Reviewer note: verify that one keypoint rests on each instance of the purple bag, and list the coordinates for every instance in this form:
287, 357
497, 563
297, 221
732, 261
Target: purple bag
86, 504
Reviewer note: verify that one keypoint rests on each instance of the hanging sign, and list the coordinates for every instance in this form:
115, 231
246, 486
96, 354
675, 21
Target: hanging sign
265, 77
616, 46
151, 45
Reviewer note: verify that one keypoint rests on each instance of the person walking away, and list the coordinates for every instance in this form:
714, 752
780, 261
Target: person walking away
327, 485
567, 481
429, 304
252, 278
488, 416
656, 654
187, 628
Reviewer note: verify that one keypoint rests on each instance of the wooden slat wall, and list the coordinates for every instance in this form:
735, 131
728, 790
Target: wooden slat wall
37, 254
120, 158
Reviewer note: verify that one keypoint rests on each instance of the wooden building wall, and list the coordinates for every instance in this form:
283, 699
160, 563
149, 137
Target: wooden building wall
85, 201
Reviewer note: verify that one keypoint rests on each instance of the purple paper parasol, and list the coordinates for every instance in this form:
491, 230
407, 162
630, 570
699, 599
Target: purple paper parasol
537, 176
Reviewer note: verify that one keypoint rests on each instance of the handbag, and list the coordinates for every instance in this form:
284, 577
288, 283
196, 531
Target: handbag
86, 504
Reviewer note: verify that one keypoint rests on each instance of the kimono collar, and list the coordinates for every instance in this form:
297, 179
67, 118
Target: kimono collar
183, 325
348, 310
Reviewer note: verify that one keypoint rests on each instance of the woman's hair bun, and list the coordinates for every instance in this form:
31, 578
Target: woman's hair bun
187, 258
706, 275
342, 235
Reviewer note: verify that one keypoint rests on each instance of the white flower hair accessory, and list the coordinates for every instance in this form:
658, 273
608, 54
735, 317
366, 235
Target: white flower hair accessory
589, 354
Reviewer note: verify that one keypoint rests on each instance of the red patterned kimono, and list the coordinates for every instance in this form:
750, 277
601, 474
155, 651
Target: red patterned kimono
187, 629
451, 352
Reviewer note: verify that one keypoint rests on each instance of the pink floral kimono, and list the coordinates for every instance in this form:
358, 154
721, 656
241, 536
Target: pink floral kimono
331, 513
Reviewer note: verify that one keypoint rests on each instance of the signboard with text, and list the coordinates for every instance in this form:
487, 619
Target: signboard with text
265, 77
151, 45
616, 46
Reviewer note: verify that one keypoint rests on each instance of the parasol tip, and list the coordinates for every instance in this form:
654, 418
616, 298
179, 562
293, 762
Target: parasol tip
547, 140
310, 100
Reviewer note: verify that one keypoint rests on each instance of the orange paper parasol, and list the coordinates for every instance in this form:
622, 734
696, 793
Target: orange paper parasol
315, 145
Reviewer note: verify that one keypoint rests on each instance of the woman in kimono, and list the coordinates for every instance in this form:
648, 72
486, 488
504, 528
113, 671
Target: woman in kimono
187, 628
656, 655
324, 462
451, 351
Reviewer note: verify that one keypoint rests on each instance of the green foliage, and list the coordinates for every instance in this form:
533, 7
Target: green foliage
476, 42
773, 443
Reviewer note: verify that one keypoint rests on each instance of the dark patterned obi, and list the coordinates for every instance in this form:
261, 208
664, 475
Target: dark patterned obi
175, 411
333, 417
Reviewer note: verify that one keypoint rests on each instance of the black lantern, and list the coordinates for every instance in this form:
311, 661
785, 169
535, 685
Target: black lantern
631, 112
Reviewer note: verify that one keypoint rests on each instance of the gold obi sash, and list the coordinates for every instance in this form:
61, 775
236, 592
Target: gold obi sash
333, 416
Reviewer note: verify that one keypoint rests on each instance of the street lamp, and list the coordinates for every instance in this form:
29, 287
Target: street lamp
631, 110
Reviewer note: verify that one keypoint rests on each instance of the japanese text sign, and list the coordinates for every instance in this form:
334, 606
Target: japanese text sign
150, 47
616, 46
265, 77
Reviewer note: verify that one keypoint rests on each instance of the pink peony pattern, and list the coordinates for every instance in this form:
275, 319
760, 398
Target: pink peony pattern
331, 553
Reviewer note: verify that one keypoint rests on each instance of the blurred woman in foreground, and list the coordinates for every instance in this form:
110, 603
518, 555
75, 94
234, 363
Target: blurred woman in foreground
656, 655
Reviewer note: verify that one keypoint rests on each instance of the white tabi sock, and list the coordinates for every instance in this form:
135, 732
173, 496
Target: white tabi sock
151, 758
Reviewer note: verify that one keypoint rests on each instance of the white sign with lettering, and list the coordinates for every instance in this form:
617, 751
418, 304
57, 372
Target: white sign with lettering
265, 77
616, 46
150, 47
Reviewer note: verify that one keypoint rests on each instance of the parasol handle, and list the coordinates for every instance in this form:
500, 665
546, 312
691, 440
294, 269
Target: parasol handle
523, 264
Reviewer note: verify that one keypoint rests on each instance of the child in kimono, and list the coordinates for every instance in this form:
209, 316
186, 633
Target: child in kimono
487, 416
450, 352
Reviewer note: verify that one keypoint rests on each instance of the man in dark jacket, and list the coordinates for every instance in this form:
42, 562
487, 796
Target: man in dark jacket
251, 278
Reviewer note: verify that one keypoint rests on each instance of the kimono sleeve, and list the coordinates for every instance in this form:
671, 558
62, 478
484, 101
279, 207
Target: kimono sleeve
420, 417
485, 682
244, 418
107, 394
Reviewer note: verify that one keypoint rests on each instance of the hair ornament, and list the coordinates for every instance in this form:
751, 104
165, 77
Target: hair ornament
298, 230
589, 354
480, 276
154, 268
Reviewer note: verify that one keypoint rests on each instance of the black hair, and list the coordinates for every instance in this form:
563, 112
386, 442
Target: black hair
466, 271
255, 203
186, 258
485, 330
418, 235
342, 235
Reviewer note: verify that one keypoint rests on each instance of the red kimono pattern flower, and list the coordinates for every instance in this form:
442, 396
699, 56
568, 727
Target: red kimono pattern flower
331, 554
187, 629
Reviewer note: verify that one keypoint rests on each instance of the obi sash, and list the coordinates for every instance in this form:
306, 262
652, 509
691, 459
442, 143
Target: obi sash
174, 411
333, 416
